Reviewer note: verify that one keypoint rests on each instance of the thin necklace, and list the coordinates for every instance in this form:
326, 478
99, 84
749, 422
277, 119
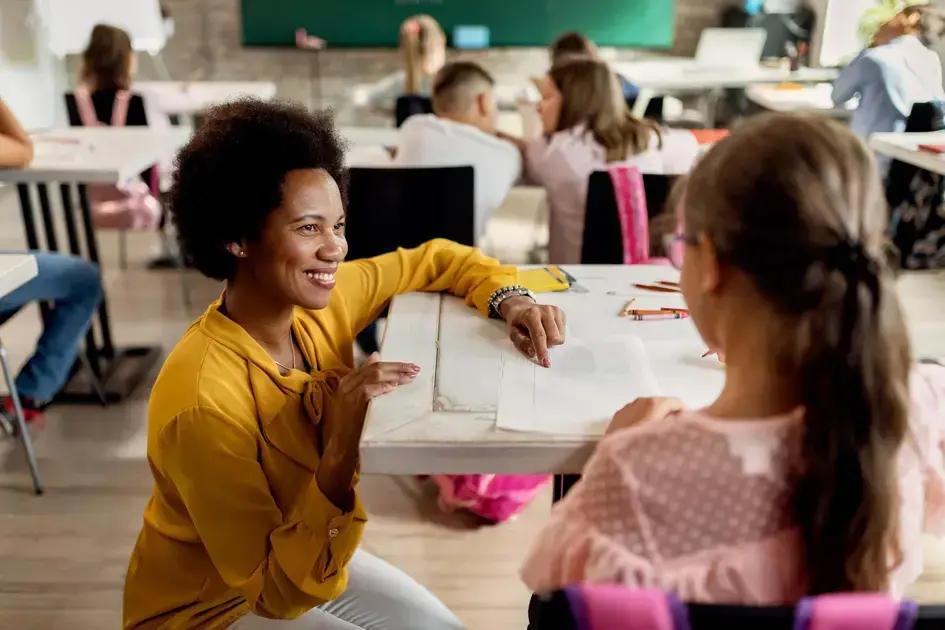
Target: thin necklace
292, 350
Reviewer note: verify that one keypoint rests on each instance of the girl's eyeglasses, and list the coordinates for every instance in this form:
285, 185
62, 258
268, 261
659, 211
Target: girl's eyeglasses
675, 247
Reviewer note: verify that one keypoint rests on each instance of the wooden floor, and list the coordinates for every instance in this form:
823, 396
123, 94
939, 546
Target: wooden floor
63, 555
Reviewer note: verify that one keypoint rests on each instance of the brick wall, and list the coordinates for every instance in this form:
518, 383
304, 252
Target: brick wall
207, 46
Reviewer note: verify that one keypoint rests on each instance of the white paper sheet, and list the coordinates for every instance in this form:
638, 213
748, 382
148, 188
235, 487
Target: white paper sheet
590, 379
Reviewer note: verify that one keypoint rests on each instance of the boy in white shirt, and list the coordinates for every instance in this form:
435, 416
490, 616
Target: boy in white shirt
461, 132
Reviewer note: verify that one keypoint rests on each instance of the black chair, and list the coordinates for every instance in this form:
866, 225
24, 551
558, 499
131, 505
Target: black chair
603, 243
410, 105
406, 207
917, 199
553, 612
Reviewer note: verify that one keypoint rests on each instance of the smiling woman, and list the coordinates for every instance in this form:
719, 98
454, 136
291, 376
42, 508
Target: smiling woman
255, 420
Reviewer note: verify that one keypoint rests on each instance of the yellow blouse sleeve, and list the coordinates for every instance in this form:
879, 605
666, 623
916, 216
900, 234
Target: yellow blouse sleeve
283, 564
439, 265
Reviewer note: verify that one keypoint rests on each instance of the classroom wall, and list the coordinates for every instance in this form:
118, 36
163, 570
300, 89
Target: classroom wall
206, 45
31, 78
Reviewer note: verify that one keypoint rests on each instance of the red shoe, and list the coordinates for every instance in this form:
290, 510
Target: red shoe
31, 413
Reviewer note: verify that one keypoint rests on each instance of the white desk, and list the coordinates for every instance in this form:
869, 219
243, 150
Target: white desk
445, 421
193, 97
96, 154
683, 74
905, 147
810, 98
15, 271
74, 157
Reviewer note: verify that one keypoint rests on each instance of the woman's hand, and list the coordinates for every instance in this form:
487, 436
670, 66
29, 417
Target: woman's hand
533, 328
644, 410
343, 423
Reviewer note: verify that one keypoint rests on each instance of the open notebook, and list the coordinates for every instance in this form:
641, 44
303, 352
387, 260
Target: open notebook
589, 380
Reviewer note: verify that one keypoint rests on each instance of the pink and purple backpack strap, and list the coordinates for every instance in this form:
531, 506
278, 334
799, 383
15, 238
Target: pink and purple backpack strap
83, 102
632, 211
120, 108
611, 607
854, 611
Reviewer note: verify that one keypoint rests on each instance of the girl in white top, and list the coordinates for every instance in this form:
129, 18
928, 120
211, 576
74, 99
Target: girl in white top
586, 126
423, 46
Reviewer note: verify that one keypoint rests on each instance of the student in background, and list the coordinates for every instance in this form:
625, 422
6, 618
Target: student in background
820, 463
72, 286
461, 131
586, 126
574, 44
896, 71
108, 65
103, 97
423, 46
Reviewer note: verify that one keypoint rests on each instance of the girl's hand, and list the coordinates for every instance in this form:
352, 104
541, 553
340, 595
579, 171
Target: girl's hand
533, 328
645, 410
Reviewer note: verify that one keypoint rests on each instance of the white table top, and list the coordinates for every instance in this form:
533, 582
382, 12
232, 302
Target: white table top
369, 136
809, 98
191, 97
684, 74
15, 271
96, 154
445, 421
905, 147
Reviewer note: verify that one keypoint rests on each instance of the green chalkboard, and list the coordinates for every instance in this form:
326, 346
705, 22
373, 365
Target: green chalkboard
372, 23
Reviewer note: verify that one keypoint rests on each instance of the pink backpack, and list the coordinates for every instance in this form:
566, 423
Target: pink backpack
131, 205
494, 497
615, 607
633, 215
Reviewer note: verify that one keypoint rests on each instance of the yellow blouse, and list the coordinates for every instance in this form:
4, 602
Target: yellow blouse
236, 521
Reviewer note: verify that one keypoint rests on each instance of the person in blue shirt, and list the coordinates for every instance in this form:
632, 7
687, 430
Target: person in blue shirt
896, 71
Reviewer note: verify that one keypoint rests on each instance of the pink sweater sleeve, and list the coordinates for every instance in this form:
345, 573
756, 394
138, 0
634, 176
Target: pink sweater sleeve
577, 529
928, 427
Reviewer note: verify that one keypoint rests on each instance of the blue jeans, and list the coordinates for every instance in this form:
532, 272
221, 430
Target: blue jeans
75, 290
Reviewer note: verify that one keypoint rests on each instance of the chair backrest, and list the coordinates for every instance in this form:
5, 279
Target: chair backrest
405, 207
594, 607
603, 239
410, 105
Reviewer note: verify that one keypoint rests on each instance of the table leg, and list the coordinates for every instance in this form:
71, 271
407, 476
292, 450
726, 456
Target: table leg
112, 373
29, 224
72, 235
52, 243
91, 245
561, 485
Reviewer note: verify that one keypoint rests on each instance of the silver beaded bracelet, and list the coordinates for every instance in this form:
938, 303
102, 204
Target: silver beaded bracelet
500, 295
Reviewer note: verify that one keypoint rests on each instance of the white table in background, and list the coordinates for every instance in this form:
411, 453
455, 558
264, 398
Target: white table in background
684, 75
15, 271
905, 147
193, 97
72, 158
445, 421
810, 98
